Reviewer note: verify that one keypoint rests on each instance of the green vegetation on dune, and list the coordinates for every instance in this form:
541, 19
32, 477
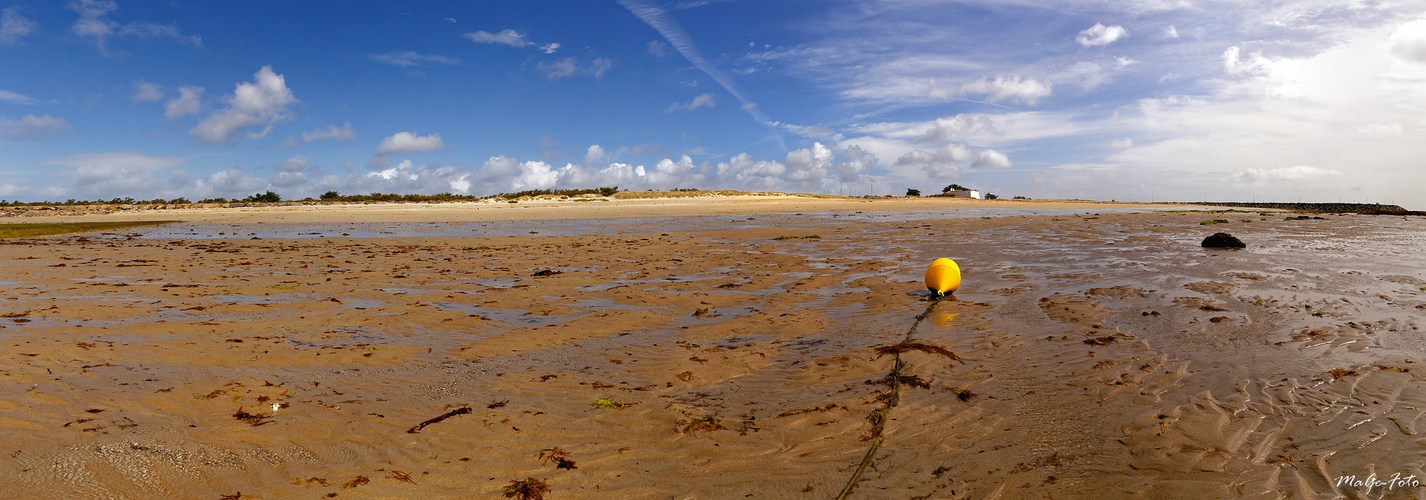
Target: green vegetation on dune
50, 228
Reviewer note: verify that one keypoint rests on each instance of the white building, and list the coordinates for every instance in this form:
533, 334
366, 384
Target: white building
964, 194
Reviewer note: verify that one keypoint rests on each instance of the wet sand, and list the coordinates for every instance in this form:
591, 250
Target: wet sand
728, 355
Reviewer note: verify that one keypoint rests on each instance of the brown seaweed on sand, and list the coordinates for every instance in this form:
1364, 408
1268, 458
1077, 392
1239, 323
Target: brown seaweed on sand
527, 489
458, 411
894, 349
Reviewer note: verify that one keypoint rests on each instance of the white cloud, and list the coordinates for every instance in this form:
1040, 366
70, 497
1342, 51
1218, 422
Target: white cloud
293, 164
699, 101
1408, 42
409, 58
1171, 32
409, 142
1282, 174
808, 164
945, 163
1026, 90
1235, 64
595, 154
1378, 128
32, 127
991, 158
262, 102
115, 174
189, 101
330, 133
855, 160
16, 98
94, 24
504, 171
1087, 75
147, 92
509, 37
1124, 143
1100, 34
506, 37
14, 26
569, 66
744, 169
658, 48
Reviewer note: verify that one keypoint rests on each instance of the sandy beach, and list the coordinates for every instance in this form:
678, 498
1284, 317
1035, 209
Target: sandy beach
713, 348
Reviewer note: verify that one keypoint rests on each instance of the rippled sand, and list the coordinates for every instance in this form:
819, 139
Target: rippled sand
1090, 355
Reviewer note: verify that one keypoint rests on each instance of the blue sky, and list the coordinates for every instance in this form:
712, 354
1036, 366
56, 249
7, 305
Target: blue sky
1150, 100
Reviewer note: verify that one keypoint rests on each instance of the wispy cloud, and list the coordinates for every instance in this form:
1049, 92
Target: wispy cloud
331, 133
94, 24
15, 97
509, 37
659, 20
14, 26
407, 58
31, 128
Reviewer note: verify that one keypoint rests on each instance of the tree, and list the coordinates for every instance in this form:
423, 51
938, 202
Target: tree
330, 195
913, 193
991, 196
269, 197
954, 187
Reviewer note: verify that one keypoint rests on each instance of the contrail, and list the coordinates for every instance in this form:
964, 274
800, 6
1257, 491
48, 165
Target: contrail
657, 19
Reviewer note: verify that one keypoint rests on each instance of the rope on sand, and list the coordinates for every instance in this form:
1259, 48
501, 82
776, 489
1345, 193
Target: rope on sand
879, 416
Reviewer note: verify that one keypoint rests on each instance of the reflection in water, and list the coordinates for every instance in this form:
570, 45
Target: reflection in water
945, 319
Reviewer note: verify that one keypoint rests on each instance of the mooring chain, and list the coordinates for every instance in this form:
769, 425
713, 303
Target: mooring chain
879, 416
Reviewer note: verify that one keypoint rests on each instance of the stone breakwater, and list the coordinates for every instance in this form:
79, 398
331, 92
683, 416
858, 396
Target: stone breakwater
1335, 208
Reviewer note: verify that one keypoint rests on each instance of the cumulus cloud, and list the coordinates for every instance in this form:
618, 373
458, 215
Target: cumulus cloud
945, 163
409, 58
1100, 34
189, 101
1237, 65
330, 133
17, 98
262, 102
409, 142
116, 174
509, 37
1282, 174
14, 26
500, 170
746, 170
855, 161
595, 154
958, 127
147, 92
1026, 90
95, 25
1171, 32
699, 101
808, 164
293, 164
1408, 42
33, 127
569, 66
991, 158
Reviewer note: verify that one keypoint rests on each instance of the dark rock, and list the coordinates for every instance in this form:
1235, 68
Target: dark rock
1223, 240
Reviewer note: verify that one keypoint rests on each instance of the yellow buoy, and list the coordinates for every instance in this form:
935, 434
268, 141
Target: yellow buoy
943, 276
